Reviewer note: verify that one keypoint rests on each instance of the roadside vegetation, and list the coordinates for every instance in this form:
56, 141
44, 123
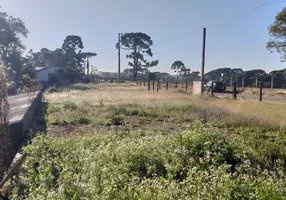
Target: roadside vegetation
122, 142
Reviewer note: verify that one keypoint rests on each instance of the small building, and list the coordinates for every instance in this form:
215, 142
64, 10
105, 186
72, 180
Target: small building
43, 73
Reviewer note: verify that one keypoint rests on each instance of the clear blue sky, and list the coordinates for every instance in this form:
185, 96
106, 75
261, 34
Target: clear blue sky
237, 44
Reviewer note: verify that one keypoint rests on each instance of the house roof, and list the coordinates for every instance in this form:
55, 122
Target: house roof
42, 68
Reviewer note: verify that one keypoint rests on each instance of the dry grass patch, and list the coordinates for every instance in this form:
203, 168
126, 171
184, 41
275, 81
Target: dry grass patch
266, 91
112, 104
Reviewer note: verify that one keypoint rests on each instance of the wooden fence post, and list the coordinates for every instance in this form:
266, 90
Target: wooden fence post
187, 85
158, 85
153, 85
148, 85
144, 83
260, 91
167, 85
234, 90
176, 86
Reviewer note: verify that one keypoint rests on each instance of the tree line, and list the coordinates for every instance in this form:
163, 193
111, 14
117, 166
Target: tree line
74, 61
250, 78
20, 67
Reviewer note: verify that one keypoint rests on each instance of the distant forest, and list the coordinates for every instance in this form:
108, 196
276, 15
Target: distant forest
251, 78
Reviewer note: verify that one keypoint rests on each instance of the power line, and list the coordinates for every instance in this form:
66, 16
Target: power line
246, 13
224, 20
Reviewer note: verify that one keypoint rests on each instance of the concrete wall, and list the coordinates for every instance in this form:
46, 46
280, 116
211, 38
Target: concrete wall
197, 85
17, 129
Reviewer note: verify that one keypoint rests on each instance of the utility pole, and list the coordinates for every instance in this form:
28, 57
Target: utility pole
87, 66
119, 47
203, 60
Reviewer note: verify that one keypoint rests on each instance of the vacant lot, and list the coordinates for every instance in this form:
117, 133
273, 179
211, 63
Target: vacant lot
123, 142
266, 91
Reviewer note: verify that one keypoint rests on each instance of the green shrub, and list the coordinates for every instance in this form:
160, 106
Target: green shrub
133, 166
53, 108
53, 89
80, 120
146, 165
70, 106
82, 87
206, 149
115, 119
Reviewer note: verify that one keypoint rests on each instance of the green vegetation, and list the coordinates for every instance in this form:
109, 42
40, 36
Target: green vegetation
139, 44
277, 32
102, 144
5, 143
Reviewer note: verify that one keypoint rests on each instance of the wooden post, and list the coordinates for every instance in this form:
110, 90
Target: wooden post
260, 91
158, 86
144, 83
167, 85
234, 90
153, 85
176, 86
187, 85
140, 82
119, 47
149, 85
212, 88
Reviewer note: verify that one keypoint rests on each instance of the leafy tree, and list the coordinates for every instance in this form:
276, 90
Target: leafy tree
14, 63
70, 55
177, 66
139, 44
72, 48
93, 70
65, 76
5, 143
214, 74
72, 43
46, 57
277, 32
11, 46
185, 73
195, 75
87, 56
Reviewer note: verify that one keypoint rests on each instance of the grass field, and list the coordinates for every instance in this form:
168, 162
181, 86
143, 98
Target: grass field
266, 91
122, 142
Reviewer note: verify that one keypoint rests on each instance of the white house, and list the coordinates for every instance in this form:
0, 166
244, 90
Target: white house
42, 73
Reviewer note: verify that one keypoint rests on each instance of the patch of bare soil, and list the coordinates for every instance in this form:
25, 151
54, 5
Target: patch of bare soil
68, 130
